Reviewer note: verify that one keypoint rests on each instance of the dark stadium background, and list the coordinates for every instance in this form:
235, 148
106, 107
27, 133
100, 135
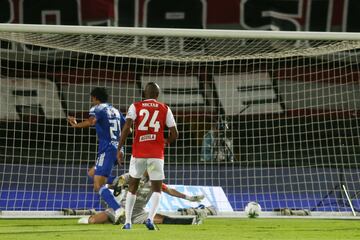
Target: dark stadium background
288, 140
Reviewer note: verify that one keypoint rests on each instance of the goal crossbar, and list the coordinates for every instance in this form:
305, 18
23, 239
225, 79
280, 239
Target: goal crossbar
171, 32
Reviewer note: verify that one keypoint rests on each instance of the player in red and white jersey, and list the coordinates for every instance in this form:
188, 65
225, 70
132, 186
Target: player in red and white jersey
149, 118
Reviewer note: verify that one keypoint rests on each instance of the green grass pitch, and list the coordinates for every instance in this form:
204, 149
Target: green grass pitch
217, 229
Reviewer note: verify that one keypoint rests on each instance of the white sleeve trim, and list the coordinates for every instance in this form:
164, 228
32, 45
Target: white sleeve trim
131, 112
92, 111
170, 121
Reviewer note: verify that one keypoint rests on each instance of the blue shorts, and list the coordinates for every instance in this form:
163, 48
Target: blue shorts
105, 162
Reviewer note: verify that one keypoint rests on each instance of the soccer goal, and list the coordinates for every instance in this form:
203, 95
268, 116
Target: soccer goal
271, 117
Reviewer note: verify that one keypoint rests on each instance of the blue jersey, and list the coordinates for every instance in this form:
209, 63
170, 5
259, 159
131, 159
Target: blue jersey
109, 122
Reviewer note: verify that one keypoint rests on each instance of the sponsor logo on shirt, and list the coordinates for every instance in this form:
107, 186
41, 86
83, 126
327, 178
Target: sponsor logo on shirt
147, 137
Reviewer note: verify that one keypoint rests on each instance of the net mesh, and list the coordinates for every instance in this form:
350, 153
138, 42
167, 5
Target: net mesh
181, 49
272, 121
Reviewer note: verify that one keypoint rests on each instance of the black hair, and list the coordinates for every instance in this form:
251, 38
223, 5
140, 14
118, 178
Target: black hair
100, 94
152, 90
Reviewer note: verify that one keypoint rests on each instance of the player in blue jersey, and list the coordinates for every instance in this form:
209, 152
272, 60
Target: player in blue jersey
108, 122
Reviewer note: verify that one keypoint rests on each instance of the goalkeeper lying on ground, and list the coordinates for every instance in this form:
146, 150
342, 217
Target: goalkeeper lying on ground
143, 196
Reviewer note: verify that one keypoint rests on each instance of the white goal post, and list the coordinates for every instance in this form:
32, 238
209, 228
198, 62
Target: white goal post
268, 116
177, 32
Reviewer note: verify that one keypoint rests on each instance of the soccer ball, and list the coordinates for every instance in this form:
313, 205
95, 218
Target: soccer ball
253, 209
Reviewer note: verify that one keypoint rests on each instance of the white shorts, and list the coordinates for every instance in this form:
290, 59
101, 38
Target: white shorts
154, 167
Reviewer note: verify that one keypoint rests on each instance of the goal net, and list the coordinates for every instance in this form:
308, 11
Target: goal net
270, 117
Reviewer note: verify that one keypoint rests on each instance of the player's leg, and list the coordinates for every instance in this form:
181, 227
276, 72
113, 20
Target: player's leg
155, 168
104, 165
130, 201
155, 197
139, 216
91, 174
108, 216
103, 190
136, 170
99, 218
159, 219
163, 219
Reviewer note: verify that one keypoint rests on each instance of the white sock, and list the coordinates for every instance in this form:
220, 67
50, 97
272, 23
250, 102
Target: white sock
129, 206
155, 202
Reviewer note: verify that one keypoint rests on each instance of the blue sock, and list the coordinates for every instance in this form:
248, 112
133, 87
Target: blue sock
110, 180
109, 198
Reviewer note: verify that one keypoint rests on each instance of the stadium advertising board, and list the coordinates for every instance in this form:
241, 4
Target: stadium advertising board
35, 97
214, 196
261, 92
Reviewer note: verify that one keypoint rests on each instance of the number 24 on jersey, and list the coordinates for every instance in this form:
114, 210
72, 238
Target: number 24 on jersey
154, 123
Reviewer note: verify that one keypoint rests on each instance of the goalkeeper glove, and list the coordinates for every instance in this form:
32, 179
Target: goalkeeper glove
119, 185
195, 198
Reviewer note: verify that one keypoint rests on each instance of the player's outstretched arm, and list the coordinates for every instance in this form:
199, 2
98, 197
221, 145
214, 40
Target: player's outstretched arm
91, 121
175, 193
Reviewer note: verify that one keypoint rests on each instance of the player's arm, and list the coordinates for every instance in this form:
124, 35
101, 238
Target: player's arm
173, 135
91, 121
126, 130
175, 193
124, 134
123, 121
171, 124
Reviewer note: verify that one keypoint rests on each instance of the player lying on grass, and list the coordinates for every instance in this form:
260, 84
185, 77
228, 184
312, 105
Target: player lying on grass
143, 195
